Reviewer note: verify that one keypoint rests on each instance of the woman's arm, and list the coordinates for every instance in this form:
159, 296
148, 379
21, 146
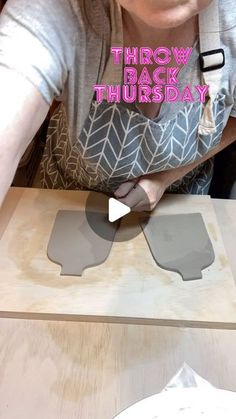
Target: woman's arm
155, 185
22, 111
36, 53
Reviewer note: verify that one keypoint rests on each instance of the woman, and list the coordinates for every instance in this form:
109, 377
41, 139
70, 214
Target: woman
61, 48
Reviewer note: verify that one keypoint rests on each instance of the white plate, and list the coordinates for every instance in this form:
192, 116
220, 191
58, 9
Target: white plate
188, 403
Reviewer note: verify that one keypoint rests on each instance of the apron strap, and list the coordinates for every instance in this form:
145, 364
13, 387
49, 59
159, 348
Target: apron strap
212, 60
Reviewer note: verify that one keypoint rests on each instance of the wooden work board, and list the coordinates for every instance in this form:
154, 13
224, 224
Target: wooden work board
128, 288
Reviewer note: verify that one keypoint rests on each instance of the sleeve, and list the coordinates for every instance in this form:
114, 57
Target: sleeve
37, 41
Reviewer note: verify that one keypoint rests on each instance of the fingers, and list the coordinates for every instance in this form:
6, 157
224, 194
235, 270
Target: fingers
141, 194
137, 199
125, 188
145, 195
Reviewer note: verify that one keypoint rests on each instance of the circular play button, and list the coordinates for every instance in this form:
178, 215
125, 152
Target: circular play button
113, 220
117, 210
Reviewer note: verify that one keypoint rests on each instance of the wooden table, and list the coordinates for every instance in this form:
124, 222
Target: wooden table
129, 287
93, 371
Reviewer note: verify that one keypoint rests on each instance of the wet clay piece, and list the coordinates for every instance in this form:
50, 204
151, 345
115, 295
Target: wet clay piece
75, 246
180, 243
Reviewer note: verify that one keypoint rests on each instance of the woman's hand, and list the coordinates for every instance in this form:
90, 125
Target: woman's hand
142, 194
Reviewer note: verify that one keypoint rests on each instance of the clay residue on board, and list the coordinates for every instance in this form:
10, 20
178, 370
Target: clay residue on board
223, 261
212, 231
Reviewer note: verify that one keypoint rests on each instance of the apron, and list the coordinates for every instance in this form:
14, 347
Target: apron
118, 143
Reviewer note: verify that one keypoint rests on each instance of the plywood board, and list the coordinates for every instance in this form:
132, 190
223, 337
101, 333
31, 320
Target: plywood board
128, 287
94, 371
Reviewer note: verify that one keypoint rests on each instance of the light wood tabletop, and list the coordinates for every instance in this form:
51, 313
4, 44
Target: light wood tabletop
53, 369
93, 371
128, 287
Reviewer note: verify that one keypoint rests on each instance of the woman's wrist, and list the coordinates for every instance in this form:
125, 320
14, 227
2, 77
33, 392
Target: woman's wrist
166, 178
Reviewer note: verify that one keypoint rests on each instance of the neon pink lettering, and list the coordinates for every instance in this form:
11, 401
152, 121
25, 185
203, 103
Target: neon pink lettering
99, 89
130, 75
117, 52
181, 55
144, 94
171, 75
156, 75
202, 90
167, 56
129, 93
113, 93
144, 78
131, 56
171, 93
187, 95
157, 94
145, 54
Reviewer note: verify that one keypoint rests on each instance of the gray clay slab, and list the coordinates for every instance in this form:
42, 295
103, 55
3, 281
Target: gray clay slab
75, 246
180, 243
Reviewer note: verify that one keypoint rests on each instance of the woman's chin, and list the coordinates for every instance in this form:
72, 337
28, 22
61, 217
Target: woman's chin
167, 19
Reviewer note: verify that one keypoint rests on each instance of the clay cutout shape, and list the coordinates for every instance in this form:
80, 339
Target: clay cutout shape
75, 246
180, 243
129, 227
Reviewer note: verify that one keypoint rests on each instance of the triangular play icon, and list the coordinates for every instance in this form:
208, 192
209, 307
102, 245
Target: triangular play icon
117, 210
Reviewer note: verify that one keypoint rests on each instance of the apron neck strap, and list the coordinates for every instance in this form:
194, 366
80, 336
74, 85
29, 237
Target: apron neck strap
212, 60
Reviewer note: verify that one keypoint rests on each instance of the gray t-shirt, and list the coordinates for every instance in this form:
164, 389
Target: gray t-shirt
54, 44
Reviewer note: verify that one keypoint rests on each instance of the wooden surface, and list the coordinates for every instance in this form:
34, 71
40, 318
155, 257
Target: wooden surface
128, 287
8, 208
226, 216
63, 370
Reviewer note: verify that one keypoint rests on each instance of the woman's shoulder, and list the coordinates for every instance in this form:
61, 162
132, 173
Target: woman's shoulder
228, 33
227, 19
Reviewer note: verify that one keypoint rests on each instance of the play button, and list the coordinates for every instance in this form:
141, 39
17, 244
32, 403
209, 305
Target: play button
111, 219
117, 210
